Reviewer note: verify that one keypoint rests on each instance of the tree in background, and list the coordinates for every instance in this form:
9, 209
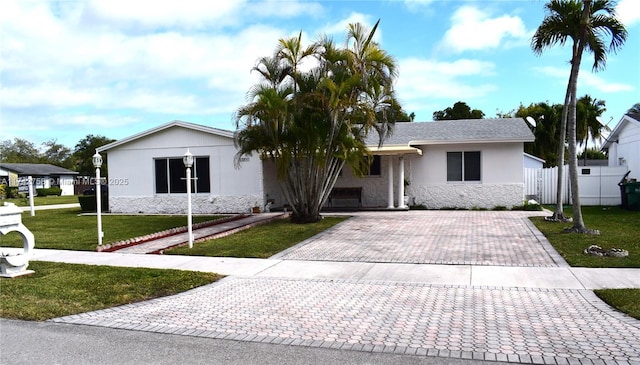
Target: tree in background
56, 154
460, 110
585, 24
311, 121
81, 158
588, 112
545, 128
635, 109
19, 151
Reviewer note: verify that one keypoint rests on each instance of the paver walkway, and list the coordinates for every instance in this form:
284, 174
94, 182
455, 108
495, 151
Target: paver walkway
201, 233
504, 323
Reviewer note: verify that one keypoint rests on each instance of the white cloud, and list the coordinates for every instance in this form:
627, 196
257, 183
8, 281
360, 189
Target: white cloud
421, 81
57, 66
585, 78
474, 29
339, 29
628, 11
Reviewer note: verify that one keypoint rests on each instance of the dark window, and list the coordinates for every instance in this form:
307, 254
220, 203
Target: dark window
463, 166
203, 183
454, 166
170, 175
375, 168
162, 182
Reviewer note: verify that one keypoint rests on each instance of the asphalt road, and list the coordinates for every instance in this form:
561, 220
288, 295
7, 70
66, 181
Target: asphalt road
24, 342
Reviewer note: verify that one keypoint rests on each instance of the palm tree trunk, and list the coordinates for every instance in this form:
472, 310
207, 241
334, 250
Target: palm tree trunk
578, 222
558, 215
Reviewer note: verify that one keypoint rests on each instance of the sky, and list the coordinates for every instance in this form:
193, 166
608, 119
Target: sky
115, 68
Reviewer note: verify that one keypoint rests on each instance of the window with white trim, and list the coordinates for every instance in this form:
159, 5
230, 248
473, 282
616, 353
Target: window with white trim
170, 175
463, 166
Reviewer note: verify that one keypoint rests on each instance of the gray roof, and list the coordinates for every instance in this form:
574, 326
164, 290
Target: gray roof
36, 169
457, 131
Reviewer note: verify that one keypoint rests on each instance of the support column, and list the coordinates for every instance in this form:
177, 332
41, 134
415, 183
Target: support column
401, 183
390, 183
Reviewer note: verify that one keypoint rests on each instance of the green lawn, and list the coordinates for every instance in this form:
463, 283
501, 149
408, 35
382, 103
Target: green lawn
56, 289
625, 300
618, 228
261, 241
44, 200
65, 229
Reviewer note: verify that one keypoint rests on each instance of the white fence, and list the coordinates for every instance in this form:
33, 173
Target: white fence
598, 184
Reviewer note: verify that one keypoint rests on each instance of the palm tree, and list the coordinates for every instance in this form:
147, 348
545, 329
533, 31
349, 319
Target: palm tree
588, 112
586, 23
635, 109
311, 121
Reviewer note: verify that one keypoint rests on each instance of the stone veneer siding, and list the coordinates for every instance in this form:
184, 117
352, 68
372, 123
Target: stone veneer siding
177, 204
467, 196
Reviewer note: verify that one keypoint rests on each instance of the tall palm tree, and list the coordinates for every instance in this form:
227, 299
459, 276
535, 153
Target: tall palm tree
586, 23
312, 120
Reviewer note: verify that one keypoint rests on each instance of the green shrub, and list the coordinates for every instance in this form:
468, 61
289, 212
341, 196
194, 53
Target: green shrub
12, 192
499, 207
88, 203
54, 190
528, 206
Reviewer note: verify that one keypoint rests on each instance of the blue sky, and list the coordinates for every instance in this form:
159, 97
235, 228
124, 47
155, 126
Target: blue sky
118, 67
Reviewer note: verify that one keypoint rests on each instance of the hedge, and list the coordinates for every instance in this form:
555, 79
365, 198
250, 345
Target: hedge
88, 203
54, 190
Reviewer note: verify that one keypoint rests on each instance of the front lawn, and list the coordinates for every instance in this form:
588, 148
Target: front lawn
44, 200
65, 229
57, 289
618, 228
261, 241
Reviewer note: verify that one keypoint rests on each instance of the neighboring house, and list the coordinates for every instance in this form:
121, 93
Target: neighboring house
532, 162
447, 164
146, 172
623, 145
43, 175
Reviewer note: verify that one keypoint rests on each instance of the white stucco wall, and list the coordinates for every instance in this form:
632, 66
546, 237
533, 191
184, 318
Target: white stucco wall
501, 185
501, 177
132, 176
626, 152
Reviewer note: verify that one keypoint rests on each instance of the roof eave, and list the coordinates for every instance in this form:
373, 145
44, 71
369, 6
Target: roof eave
175, 123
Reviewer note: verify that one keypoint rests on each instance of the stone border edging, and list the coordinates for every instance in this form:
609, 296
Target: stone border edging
223, 233
111, 247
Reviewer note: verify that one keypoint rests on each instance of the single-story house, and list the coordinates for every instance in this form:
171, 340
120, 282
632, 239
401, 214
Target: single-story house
147, 174
623, 145
43, 175
457, 164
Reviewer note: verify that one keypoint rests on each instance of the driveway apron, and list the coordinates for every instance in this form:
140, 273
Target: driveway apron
533, 325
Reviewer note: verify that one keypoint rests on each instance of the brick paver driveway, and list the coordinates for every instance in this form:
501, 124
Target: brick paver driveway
432, 237
541, 326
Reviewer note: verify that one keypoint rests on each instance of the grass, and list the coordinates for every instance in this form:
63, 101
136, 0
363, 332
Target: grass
625, 300
65, 229
258, 242
44, 200
618, 228
63, 289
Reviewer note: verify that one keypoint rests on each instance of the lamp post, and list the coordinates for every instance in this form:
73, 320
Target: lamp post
188, 163
97, 162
